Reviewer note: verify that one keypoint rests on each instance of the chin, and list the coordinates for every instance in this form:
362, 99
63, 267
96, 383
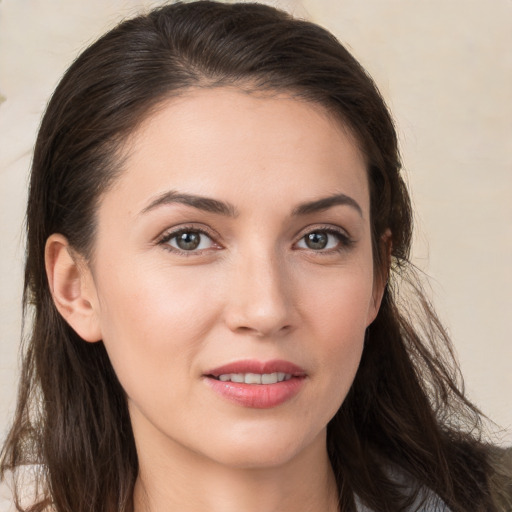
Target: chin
264, 449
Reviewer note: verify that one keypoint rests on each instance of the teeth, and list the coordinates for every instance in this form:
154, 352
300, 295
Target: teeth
255, 378
252, 378
269, 378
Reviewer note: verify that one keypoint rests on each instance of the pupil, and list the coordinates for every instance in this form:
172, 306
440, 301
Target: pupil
316, 240
188, 241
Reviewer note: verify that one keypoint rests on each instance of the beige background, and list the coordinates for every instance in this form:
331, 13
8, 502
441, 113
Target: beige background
444, 66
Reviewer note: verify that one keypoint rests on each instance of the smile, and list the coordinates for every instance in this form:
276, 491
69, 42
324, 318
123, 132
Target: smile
255, 378
257, 384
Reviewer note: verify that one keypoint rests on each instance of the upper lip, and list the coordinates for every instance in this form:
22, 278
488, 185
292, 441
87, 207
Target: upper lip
261, 367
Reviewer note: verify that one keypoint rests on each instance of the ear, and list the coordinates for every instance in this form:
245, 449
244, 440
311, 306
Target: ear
381, 275
72, 288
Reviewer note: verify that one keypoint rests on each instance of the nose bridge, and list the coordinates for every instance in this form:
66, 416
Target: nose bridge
260, 301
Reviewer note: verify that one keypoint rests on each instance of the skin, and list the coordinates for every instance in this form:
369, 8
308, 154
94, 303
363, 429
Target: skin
254, 289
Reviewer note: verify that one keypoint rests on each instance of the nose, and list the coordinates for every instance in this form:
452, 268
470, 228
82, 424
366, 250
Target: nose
260, 298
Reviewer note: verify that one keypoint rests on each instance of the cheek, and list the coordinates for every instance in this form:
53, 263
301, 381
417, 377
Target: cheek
154, 304
340, 302
337, 317
341, 348
153, 324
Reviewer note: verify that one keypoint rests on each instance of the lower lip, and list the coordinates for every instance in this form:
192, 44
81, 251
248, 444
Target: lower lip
257, 396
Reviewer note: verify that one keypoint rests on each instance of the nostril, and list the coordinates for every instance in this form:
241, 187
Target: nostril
262, 332
260, 311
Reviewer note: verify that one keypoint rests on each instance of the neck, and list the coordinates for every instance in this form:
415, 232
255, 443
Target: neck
184, 481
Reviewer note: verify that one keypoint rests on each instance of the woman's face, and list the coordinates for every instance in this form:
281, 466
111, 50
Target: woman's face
236, 243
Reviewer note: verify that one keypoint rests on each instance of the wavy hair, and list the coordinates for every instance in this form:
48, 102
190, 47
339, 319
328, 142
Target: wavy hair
406, 408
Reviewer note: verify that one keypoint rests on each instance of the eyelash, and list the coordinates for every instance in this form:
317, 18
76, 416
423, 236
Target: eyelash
345, 242
167, 237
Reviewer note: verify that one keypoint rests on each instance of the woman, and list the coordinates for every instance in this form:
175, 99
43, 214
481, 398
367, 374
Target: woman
218, 240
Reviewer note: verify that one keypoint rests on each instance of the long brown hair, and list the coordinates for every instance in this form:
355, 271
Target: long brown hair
405, 410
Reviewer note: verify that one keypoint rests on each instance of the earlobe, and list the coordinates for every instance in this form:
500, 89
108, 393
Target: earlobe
72, 288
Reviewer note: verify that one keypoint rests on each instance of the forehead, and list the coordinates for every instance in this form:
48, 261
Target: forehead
235, 145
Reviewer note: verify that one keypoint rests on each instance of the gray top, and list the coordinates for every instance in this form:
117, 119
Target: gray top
425, 502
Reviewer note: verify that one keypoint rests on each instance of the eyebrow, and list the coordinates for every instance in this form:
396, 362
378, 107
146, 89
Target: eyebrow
202, 203
222, 208
326, 203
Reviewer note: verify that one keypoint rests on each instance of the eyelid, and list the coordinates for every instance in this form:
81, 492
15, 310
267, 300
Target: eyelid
346, 241
170, 233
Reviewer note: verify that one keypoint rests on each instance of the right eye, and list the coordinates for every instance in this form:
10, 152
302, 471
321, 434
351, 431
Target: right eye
187, 240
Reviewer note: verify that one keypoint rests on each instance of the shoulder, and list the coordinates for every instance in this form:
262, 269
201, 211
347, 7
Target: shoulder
430, 505
425, 500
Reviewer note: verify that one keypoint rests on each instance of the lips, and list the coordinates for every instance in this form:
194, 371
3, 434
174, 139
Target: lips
258, 367
256, 384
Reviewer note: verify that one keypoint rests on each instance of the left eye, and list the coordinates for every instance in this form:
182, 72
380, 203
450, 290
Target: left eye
320, 240
189, 241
